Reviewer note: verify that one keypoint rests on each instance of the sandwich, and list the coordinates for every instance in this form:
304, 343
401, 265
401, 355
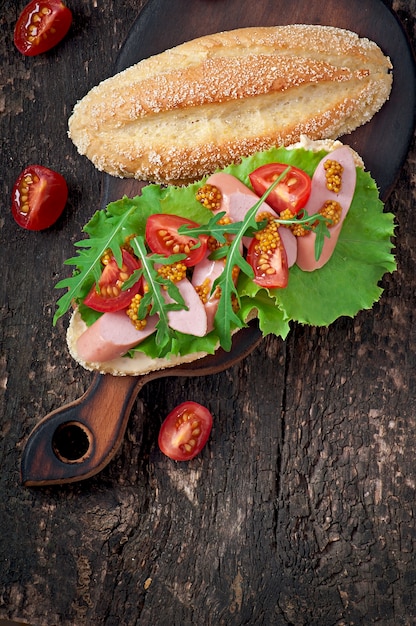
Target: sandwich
287, 235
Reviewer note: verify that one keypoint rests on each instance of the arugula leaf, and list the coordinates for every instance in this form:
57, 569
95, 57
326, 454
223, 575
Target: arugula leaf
132, 279
318, 223
107, 230
321, 231
153, 297
226, 318
213, 228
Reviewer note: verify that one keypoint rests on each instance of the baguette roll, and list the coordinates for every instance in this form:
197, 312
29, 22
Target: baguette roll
182, 114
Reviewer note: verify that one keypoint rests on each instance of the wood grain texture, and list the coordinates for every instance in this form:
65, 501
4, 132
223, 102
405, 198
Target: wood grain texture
301, 509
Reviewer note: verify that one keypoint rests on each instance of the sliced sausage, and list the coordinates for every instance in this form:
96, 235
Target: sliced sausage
193, 320
319, 195
205, 273
111, 336
237, 198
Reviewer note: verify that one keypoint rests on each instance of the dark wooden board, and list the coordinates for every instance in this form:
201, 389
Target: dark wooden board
383, 142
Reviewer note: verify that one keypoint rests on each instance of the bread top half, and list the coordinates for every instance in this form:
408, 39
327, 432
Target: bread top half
180, 115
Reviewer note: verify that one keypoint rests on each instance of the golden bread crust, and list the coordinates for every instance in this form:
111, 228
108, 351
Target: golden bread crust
182, 114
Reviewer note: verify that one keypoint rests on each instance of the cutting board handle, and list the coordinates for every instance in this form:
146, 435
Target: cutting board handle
77, 440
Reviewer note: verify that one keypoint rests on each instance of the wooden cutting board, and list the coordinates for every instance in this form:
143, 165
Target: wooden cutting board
77, 441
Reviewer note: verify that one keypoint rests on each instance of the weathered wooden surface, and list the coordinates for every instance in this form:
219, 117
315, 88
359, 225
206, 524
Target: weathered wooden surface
301, 510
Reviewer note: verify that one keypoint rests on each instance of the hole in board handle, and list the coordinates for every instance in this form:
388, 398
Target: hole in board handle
71, 442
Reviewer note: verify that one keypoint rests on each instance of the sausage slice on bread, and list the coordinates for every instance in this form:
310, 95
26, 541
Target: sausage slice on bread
181, 114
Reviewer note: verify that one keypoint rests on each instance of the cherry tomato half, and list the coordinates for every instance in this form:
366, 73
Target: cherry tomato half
163, 238
39, 196
291, 193
270, 268
185, 431
41, 25
111, 296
